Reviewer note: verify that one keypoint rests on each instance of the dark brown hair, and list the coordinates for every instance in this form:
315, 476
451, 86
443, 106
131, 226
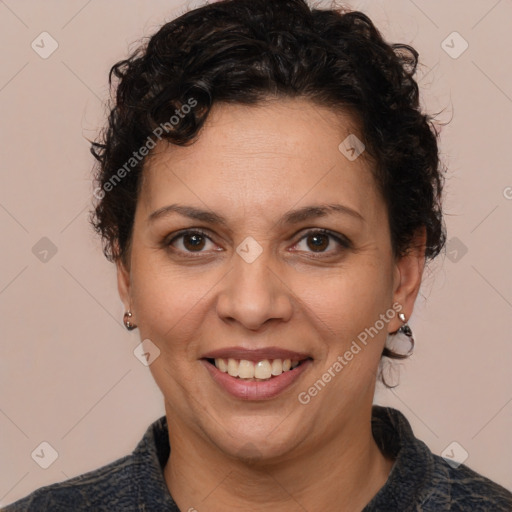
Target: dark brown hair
244, 51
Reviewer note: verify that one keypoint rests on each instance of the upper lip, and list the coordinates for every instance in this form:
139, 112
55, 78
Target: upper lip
256, 354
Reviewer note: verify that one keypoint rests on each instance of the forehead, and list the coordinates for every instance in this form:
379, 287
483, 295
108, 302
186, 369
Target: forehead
267, 157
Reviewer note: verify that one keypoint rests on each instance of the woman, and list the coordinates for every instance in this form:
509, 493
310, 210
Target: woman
270, 192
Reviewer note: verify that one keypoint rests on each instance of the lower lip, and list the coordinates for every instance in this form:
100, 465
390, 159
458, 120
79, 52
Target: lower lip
254, 390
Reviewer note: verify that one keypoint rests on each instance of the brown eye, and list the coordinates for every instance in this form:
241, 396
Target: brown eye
318, 242
190, 241
193, 242
323, 241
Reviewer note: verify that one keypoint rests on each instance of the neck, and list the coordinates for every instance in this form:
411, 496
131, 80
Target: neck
344, 474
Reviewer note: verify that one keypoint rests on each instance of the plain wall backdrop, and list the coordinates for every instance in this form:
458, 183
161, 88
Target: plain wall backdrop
68, 375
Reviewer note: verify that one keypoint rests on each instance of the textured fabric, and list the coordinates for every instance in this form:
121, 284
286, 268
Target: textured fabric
132, 483
422, 481
419, 480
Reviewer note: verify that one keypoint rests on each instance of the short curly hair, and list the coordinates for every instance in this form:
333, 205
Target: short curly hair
245, 51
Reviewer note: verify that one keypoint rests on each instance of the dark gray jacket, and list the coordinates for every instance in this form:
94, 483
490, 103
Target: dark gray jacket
419, 480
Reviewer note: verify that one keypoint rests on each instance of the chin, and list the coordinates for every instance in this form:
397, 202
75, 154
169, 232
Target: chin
258, 445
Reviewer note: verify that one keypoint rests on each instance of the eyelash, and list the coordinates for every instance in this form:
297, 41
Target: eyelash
342, 241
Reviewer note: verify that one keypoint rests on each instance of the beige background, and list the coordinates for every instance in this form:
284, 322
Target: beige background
68, 375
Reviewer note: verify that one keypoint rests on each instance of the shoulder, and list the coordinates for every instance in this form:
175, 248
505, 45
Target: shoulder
133, 482
108, 485
461, 489
422, 480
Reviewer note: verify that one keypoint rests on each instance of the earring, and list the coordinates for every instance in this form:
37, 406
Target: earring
405, 329
127, 323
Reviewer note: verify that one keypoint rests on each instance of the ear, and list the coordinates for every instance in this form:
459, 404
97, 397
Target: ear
408, 271
123, 284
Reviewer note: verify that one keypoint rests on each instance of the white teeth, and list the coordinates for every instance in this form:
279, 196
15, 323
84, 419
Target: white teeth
233, 367
263, 369
246, 369
277, 367
221, 365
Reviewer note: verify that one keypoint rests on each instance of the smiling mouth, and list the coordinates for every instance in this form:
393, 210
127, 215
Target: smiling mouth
263, 370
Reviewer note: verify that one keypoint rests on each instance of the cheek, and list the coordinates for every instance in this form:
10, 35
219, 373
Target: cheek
169, 303
349, 299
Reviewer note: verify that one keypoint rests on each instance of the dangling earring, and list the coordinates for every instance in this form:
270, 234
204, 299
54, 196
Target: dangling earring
126, 320
405, 329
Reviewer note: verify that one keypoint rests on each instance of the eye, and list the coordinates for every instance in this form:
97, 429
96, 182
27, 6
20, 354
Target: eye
320, 240
191, 241
316, 241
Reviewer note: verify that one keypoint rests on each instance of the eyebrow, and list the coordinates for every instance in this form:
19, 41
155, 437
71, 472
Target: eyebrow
292, 217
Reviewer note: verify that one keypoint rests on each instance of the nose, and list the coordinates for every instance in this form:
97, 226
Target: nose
253, 294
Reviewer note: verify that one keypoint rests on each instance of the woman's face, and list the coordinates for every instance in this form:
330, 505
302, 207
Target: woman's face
294, 262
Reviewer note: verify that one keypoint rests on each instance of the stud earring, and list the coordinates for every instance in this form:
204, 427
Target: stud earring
126, 320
